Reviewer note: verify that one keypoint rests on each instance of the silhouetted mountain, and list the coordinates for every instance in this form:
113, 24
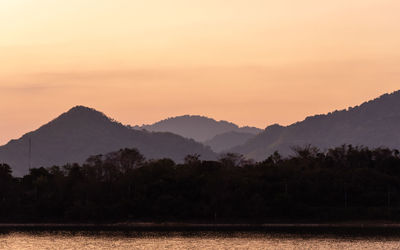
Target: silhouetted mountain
375, 123
82, 132
225, 141
196, 127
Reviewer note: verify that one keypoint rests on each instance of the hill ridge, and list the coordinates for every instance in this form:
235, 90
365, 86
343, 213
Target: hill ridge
81, 132
198, 127
373, 123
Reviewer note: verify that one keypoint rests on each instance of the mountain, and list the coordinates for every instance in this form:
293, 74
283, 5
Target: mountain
82, 132
374, 123
225, 141
196, 127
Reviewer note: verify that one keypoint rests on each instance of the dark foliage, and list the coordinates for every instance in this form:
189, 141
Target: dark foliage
344, 183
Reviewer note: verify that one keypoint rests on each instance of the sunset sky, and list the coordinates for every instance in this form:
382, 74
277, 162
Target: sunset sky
252, 62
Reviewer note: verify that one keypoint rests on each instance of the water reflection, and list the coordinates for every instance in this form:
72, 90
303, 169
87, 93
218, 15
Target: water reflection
192, 240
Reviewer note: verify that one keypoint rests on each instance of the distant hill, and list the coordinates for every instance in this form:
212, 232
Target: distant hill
82, 132
225, 141
375, 123
196, 127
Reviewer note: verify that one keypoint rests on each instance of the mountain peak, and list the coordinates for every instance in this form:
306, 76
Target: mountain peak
81, 108
78, 118
83, 113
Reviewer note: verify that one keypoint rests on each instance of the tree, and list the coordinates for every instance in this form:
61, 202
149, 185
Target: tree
5, 172
126, 159
192, 159
233, 160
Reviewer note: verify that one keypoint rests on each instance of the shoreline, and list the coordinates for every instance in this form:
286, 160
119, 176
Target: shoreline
200, 226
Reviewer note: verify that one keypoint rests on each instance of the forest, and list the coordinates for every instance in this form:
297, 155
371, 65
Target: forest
345, 183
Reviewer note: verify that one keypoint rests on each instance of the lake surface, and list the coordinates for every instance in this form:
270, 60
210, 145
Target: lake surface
191, 240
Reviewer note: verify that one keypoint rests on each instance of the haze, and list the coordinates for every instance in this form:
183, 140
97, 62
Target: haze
252, 62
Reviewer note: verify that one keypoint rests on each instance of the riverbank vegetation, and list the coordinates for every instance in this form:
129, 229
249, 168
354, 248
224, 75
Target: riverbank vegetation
342, 184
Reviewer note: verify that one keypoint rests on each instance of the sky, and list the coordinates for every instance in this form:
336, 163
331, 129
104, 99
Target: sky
252, 62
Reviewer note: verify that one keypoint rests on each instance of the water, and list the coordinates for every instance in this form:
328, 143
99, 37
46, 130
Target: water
194, 240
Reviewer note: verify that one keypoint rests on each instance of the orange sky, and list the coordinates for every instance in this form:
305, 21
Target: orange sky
252, 62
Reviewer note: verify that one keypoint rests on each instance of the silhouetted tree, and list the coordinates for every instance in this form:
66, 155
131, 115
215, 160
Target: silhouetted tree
342, 183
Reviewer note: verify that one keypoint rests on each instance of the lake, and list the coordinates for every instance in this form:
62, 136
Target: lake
193, 240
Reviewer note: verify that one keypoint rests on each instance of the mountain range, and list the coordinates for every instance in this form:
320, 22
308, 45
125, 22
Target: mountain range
375, 123
199, 128
219, 135
81, 132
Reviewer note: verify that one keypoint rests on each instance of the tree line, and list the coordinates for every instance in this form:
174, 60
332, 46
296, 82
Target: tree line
343, 183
